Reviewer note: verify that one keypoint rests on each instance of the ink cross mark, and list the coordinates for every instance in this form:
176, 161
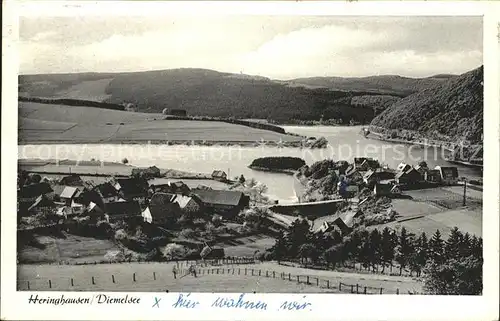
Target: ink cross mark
157, 302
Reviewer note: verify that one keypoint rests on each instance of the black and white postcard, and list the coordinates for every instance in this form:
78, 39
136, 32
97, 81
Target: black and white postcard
266, 160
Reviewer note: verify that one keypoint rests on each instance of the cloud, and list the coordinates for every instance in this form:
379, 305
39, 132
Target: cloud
277, 47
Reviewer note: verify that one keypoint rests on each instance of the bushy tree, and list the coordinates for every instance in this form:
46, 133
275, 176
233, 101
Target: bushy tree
404, 249
388, 245
436, 248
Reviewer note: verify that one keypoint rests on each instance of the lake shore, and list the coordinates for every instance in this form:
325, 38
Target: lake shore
273, 170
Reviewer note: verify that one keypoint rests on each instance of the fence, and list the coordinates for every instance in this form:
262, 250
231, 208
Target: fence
91, 282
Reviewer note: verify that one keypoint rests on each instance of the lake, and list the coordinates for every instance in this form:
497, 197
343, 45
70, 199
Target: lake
345, 143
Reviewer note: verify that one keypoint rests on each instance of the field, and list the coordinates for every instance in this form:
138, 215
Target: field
40, 123
158, 277
247, 246
94, 90
70, 248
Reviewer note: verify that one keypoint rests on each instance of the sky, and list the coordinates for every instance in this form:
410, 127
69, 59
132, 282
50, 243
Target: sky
278, 47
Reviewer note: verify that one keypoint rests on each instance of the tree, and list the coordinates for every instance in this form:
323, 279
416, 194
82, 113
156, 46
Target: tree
261, 188
298, 234
279, 249
423, 164
404, 249
308, 251
436, 248
420, 255
125, 161
462, 276
251, 183
333, 255
375, 246
452, 244
387, 248
242, 179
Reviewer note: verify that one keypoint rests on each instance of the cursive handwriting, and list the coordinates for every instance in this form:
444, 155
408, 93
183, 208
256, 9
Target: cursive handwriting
293, 305
184, 302
226, 302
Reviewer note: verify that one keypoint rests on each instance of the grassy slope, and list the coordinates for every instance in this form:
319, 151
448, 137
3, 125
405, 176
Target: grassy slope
56, 123
455, 109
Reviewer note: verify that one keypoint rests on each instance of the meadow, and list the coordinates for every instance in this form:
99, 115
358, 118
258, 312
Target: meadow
45, 123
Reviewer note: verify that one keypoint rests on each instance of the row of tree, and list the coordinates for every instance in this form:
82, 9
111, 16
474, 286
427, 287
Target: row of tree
453, 266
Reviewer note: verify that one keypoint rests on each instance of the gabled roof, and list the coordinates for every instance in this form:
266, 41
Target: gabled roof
448, 170
71, 180
35, 190
107, 189
41, 201
182, 200
69, 192
123, 208
219, 197
131, 186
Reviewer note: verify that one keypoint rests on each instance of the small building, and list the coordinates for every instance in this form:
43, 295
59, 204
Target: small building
386, 190
134, 188
223, 202
325, 228
29, 193
409, 177
163, 208
422, 169
126, 210
107, 192
209, 252
342, 226
69, 193
71, 180
219, 175
187, 203
377, 175
433, 176
365, 163
449, 174
403, 167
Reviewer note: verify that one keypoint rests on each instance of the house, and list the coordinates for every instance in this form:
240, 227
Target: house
448, 174
41, 205
325, 228
29, 193
69, 193
386, 189
94, 211
342, 226
409, 177
117, 211
377, 175
71, 180
187, 203
77, 208
365, 163
134, 188
107, 192
165, 186
433, 176
227, 202
347, 190
422, 169
149, 172
403, 167
209, 252
163, 208
219, 175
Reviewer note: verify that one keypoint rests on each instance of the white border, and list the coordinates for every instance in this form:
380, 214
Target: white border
338, 307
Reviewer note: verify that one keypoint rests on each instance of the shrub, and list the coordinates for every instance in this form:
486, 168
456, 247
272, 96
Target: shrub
188, 233
173, 251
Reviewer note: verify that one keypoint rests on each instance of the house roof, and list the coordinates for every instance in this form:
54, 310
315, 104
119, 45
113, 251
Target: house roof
69, 192
218, 173
72, 179
58, 189
107, 189
162, 198
123, 208
219, 197
182, 200
41, 201
132, 186
448, 170
35, 190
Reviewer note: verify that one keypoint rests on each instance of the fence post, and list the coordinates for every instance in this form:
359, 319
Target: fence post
72, 284
239, 270
352, 288
267, 274
133, 276
113, 278
252, 272
259, 272
340, 286
217, 270
289, 276
381, 289
397, 291
50, 284
274, 273
154, 276
93, 280
317, 282
327, 284
233, 270
298, 279
365, 290
245, 271
307, 278
357, 288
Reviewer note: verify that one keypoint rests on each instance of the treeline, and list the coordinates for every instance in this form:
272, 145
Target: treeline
453, 266
72, 102
285, 162
247, 123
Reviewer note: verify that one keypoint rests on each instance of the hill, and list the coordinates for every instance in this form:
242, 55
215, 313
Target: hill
454, 109
385, 84
207, 93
